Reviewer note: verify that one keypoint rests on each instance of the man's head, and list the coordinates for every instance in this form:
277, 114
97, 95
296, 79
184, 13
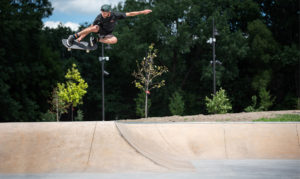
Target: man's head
105, 10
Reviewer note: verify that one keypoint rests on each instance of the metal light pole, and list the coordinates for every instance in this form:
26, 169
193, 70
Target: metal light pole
213, 42
214, 56
102, 60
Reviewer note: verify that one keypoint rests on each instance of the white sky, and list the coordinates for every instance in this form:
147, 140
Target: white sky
81, 6
54, 24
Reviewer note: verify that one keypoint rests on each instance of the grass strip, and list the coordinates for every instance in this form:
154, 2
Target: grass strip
281, 118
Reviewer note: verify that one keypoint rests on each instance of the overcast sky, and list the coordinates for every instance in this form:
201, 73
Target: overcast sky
71, 13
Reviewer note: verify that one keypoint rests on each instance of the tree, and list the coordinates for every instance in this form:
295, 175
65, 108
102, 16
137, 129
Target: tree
146, 74
28, 68
58, 106
74, 89
176, 105
281, 17
266, 101
257, 45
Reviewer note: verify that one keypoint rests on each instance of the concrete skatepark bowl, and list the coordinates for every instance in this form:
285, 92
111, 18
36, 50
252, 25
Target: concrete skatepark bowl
149, 150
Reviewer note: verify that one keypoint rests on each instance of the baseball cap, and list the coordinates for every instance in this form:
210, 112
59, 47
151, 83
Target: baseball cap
106, 8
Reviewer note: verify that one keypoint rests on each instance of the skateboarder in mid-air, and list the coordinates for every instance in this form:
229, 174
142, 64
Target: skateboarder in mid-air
104, 25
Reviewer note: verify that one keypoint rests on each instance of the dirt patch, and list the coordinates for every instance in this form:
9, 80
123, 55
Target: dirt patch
230, 117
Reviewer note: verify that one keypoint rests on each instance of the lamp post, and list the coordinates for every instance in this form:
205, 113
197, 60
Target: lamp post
212, 41
102, 60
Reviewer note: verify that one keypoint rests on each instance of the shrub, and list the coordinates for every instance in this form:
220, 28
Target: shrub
219, 104
265, 99
252, 108
48, 116
79, 116
176, 105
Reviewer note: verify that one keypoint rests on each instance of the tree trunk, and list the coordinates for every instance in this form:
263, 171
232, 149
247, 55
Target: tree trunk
146, 103
72, 112
57, 108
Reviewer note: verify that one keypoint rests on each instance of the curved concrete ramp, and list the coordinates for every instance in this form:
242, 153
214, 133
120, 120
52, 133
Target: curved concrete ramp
147, 140
68, 147
195, 141
101, 147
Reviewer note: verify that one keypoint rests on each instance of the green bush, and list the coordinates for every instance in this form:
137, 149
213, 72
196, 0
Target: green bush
79, 116
219, 104
176, 104
266, 101
48, 116
252, 108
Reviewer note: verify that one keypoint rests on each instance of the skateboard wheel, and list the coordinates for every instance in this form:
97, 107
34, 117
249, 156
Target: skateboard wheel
87, 51
69, 49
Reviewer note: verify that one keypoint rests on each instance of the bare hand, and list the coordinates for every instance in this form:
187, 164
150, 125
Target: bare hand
147, 11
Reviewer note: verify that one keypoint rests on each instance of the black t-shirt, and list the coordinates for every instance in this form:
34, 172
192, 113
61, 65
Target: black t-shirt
107, 24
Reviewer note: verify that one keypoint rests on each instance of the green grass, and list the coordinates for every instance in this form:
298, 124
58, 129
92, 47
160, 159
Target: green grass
281, 118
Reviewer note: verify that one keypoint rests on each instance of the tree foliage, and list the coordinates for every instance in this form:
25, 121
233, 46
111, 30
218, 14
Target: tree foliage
266, 101
74, 89
147, 72
28, 68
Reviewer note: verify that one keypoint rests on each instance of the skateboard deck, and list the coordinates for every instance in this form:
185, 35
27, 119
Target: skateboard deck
79, 46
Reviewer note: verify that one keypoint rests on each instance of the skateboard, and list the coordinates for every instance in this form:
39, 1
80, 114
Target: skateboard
79, 46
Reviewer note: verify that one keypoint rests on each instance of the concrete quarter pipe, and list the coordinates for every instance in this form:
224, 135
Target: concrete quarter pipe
104, 147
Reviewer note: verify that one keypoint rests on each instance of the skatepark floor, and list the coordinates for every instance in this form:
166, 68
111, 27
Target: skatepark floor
258, 169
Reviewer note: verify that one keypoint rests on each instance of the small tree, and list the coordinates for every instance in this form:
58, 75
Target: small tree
219, 104
73, 90
176, 105
266, 101
58, 106
146, 74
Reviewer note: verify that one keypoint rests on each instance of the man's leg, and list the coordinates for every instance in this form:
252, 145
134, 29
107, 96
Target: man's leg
109, 39
80, 35
86, 31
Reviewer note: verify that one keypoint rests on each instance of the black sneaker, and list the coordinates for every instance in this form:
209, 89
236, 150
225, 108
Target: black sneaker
70, 40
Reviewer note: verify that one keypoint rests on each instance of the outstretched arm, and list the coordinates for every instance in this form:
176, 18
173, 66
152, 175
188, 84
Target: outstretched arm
135, 13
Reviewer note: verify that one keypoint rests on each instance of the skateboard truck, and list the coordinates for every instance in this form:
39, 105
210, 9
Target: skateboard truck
93, 41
